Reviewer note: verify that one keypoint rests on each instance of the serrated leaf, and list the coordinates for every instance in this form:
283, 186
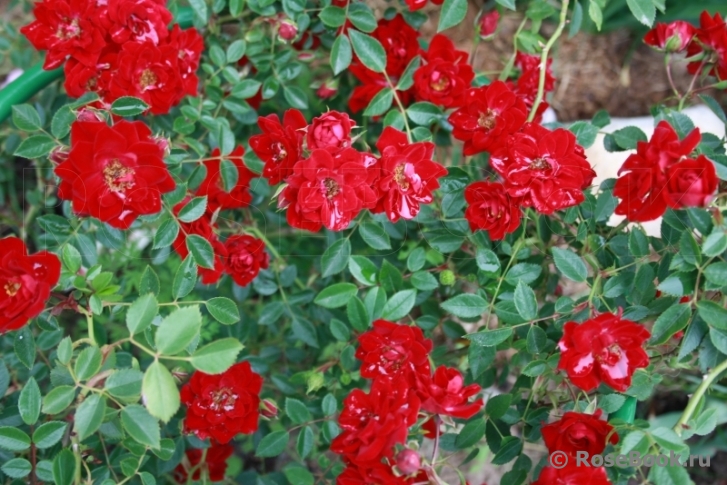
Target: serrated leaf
570, 264
193, 210
297, 411
336, 295
29, 402
185, 278
141, 313
223, 310
35, 146
525, 301
178, 329
399, 305
453, 12
217, 357
140, 425
368, 50
374, 236
48, 434
89, 416
159, 392
465, 305
273, 444
341, 54
128, 106
674, 319
88, 363
336, 257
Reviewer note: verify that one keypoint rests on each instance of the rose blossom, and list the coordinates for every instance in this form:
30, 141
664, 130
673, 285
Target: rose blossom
487, 24
444, 76
691, 183
408, 461
223, 405
604, 349
576, 432
671, 37
573, 475
445, 393
490, 208
370, 473
140, 20
330, 130
280, 145
712, 37
114, 173
26, 281
213, 185
204, 228
245, 257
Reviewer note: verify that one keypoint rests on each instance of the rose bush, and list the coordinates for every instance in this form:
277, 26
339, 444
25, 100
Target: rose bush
301, 242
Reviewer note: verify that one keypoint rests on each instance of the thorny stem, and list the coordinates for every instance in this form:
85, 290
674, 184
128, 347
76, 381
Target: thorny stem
697, 396
544, 59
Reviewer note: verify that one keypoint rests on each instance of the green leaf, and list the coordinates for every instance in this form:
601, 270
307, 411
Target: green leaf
627, 138
140, 425
536, 340
487, 261
471, 433
570, 264
380, 103
362, 17
406, 81
29, 402
247, 88
124, 383
141, 313
332, 16
363, 270
424, 281
423, 113
714, 105
490, 338
453, 12
299, 475
58, 399
24, 346
336, 295
166, 233
149, 282
65, 350
178, 329
335, 258
399, 305
496, 406
193, 210
71, 258
64, 467
88, 363
13, 439
48, 434
688, 249
369, 50
128, 106
357, 314
643, 10
297, 411
465, 305
185, 278
719, 339
674, 319
669, 475
713, 313
229, 174
507, 4
35, 146
525, 301
60, 125
159, 392
296, 97
304, 444
26, 117
339, 330
585, 133
16, 468
217, 357
200, 10
235, 51
305, 331
374, 235
341, 54
223, 310
273, 444
716, 273
201, 251
714, 244
510, 448
89, 416
638, 243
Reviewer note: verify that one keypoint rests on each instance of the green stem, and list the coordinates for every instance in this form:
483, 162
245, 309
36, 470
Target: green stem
544, 59
697, 396
400, 105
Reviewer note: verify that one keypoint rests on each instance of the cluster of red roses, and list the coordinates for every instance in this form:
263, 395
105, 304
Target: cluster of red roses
396, 358
706, 45
118, 48
661, 174
328, 182
573, 433
26, 282
543, 169
219, 407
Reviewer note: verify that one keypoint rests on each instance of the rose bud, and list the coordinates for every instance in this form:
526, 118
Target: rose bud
59, 154
326, 91
330, 130
408, 461
85, 114
268, 409
488, 24
447, 277
162, 143
287, 30
673, 37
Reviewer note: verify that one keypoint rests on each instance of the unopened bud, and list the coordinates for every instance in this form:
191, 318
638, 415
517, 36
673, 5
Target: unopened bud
447, 277
326, 91
86, 114
162, 143
408, 461
59, 154
488, 24
268, 409
287, 30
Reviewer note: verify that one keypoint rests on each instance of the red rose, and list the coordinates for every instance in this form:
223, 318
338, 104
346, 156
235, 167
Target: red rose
391, 350
489, 114
148, 72
189, 45
114, 173
370, 473
641, 185
223, 405
691, 183
548, 169
246, 256
139, 20
204, 228
280, 145
573, 475
491, 209
487, 24
603, 349
65, 28
415, 5
215, 463
528, 82
445, 393
408, 175
671, 37
712, 37
445, 75
408, 461
324, 192
576, 432
373, 423
25, 282
330, 130
326, 90
214, 188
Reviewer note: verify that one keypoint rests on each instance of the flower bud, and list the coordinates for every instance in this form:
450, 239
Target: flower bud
268, 408
408, 461
447, 277
86, 114
487, 24
326, 90
287, 30
59, 154
672, 37
162, 143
